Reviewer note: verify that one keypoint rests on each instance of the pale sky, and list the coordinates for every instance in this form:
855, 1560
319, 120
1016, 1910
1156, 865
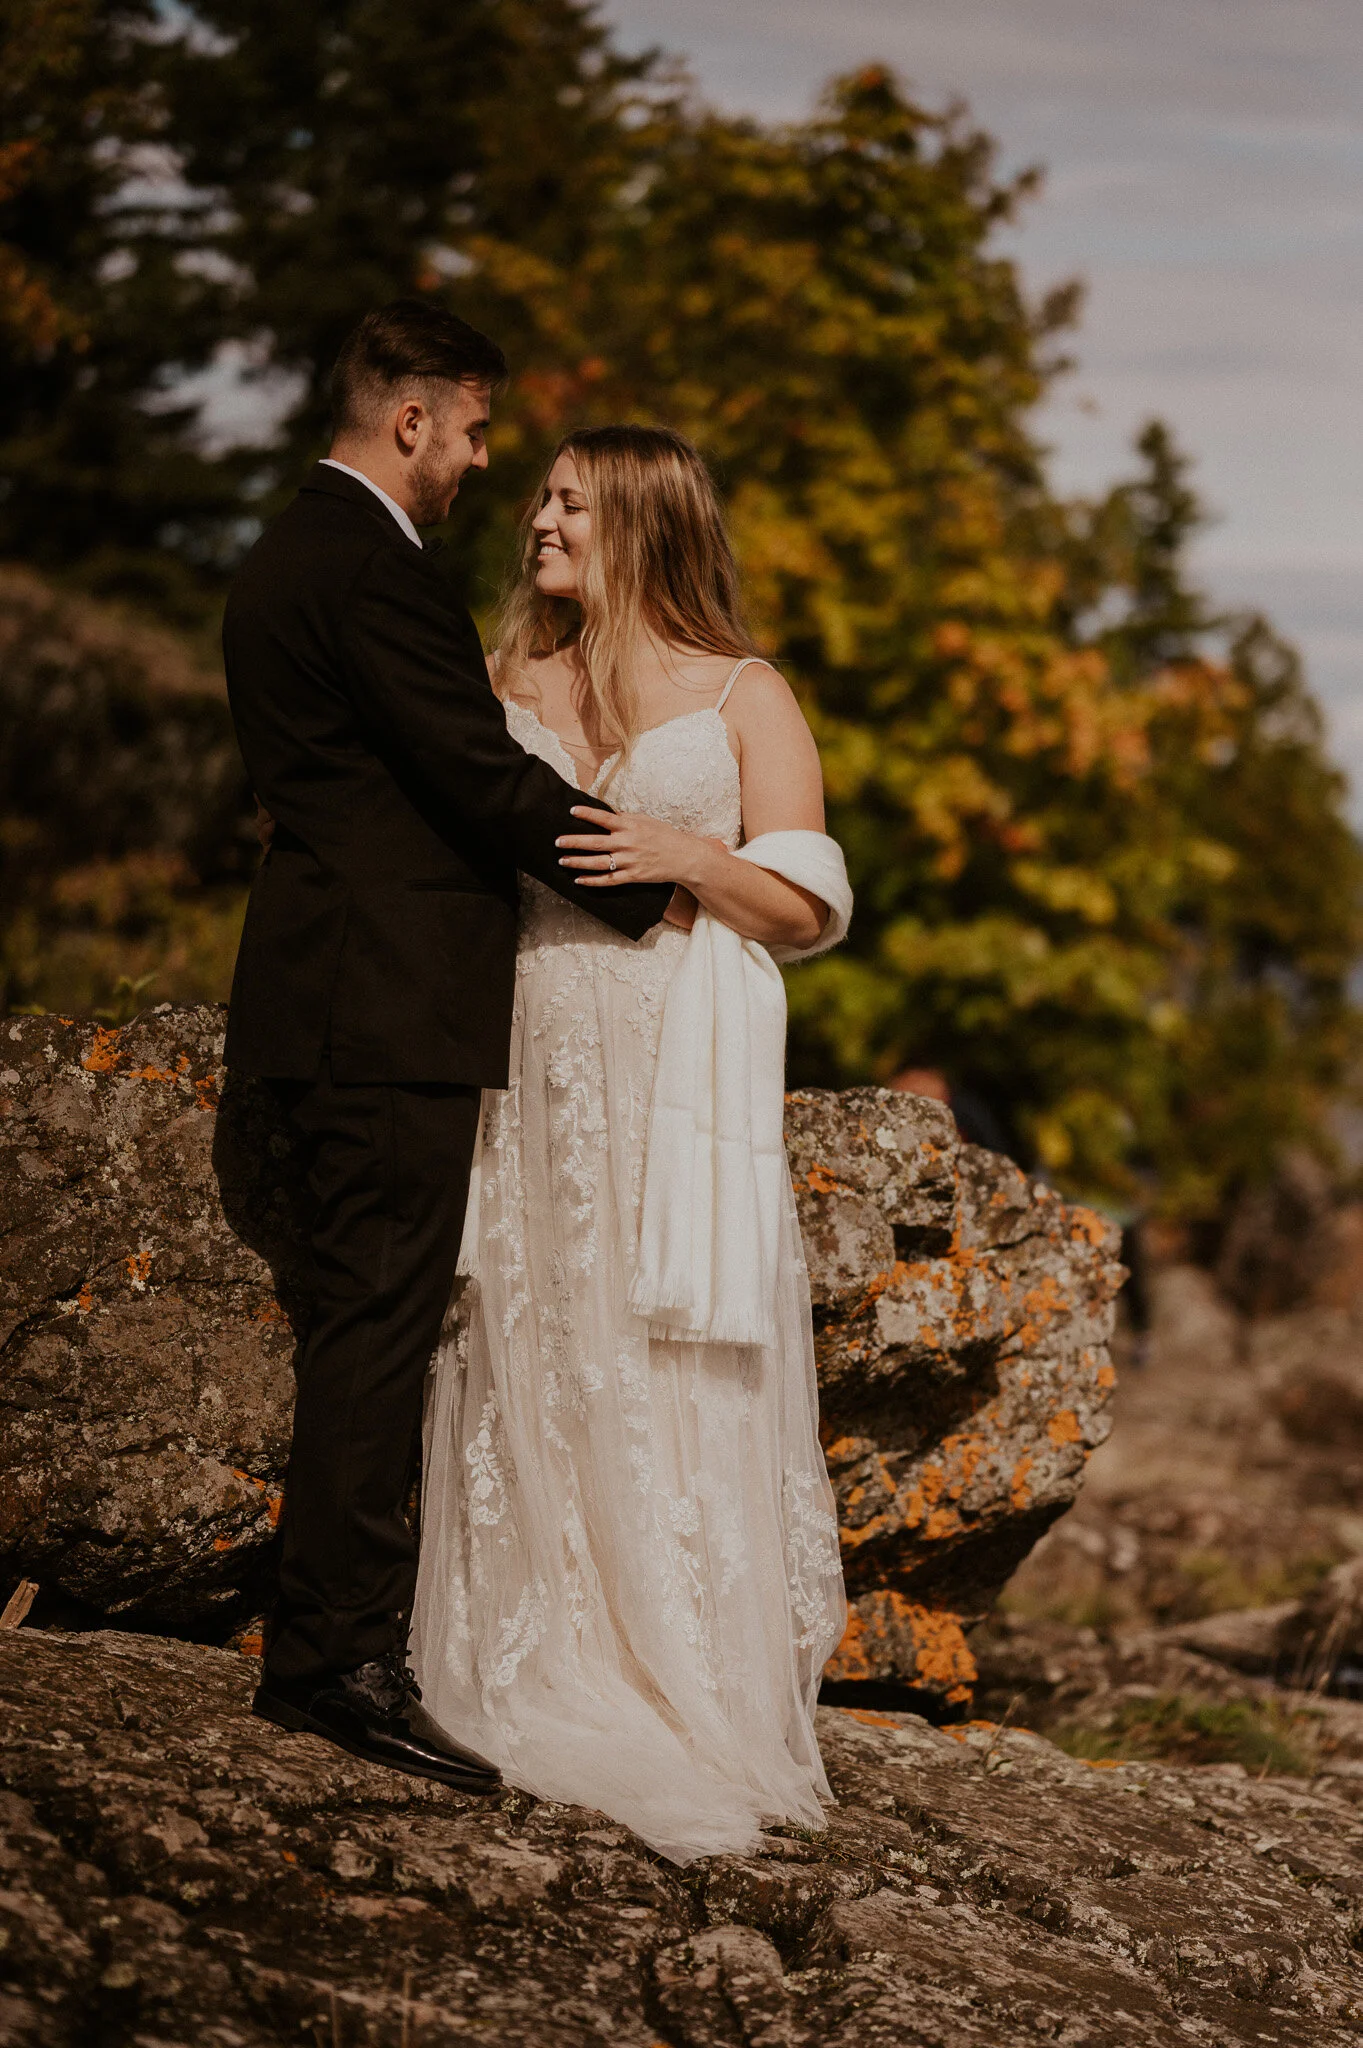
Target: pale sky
1205, 177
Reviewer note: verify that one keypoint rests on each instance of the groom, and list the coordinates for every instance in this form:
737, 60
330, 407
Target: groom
374, 984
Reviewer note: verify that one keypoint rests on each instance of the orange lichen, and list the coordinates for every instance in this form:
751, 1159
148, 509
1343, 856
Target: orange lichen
270, 1313
252, 1645
949, 1278
871, 1720
967, 1452
933, 1482
275, 1502
1106, 1376
1040, 1306
877, 1525
85, 1300
206, 1093
222, 1543
1019, 1492
172, 1074
1086, 1227
887, 1633
924, 1504
843, 1447
875, 1288
139, 1266
102, 1057
942, 1522
1064, 1428
822, 1182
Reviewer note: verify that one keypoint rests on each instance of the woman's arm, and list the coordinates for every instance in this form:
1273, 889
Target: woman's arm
782, 792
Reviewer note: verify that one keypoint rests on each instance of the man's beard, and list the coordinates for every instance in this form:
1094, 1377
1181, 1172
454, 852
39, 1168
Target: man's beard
431, 485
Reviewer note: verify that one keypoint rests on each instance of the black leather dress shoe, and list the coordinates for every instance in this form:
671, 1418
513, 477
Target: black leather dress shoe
375, 1712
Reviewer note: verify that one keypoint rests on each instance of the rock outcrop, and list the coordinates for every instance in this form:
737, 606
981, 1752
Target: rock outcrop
175, 1872
961, 1319
152, 1282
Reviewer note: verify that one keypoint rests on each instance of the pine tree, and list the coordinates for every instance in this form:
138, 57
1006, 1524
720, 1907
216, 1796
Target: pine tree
89, 473
249, 179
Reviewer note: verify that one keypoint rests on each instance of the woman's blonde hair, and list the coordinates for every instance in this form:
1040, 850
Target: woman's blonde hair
660, 555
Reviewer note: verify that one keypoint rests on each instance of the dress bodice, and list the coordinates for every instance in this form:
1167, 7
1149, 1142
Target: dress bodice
682, 771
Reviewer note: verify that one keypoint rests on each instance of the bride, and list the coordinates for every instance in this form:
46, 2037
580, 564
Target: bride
629, 1577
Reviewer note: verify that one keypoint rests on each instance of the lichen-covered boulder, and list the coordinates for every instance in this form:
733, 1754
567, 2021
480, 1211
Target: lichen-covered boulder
961, 1315
152, 1283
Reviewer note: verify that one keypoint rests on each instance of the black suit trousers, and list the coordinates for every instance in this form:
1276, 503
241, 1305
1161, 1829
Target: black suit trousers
389, 1170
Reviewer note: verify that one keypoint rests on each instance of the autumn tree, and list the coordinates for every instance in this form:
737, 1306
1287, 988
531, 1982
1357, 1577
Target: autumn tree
1058, 825
1256, 1022
1102, 870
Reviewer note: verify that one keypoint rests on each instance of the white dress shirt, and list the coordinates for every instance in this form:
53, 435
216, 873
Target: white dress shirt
330, 462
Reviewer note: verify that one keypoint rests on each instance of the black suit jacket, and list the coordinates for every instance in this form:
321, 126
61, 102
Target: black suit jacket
382, 924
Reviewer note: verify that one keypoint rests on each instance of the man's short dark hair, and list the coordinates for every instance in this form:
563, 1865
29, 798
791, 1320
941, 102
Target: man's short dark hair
407, 344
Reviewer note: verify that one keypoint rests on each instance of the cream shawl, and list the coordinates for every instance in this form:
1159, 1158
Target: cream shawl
715, 1163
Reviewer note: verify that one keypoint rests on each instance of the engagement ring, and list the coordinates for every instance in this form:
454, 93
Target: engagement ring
611, 864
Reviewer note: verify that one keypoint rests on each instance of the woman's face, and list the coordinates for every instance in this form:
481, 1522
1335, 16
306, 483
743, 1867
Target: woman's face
563, 527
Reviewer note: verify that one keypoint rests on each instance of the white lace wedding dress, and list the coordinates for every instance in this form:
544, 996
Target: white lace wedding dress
629, 1576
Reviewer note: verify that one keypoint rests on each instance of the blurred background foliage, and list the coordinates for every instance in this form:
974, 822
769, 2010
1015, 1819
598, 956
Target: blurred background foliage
1104, 875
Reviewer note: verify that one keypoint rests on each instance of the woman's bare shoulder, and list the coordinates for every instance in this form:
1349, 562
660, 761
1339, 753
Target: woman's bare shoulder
762, 694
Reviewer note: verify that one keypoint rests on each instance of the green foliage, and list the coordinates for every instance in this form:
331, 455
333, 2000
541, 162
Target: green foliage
1218, 1582
1256, 1022
1081, 1591
126, 835
1102, 870
1263, 1736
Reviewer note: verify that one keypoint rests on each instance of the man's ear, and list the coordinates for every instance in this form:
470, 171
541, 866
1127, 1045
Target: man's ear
407, 425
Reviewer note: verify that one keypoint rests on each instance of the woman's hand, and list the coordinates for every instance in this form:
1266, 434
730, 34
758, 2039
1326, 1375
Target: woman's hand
681, 911
633, 848
264, 825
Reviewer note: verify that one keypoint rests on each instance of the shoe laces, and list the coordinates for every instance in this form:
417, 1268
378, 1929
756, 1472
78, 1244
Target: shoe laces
402, 1674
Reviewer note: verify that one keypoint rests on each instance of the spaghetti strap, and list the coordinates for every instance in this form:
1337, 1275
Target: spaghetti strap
748, 661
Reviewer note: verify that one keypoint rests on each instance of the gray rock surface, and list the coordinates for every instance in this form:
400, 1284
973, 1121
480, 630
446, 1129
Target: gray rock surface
151, 1283
148, 1266
177, 1874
